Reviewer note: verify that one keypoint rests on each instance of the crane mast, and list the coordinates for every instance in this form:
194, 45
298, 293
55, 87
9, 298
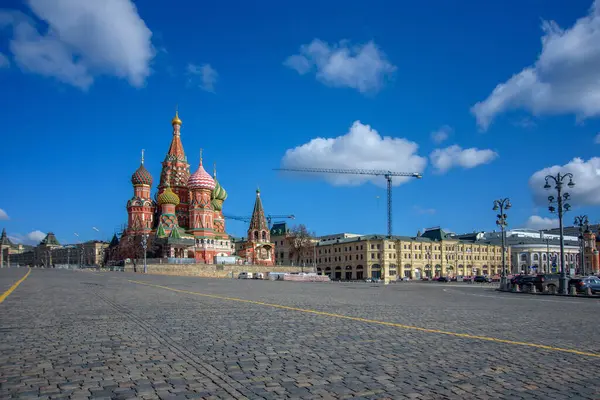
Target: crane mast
388, 175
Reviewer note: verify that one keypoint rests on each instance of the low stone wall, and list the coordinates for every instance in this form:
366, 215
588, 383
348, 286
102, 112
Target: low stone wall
211, 270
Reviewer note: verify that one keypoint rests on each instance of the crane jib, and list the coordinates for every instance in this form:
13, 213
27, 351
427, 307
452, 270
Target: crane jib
374, 172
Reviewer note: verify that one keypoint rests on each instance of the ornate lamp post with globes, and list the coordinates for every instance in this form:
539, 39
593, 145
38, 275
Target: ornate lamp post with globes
561, 208
502, 205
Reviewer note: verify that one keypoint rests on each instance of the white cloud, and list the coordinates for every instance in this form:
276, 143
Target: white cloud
4, 61
525, 123
362, 67
441, 134
541, 223
565, 79
455, 156
207, 74
83, 39
361, 148
597, 138
586, 176
3, 215
32, 238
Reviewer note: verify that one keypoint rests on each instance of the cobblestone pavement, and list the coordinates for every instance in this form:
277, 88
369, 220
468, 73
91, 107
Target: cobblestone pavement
74, 334
9, 276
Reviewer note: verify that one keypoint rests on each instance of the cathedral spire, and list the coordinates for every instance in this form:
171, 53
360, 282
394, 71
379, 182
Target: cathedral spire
176, 171
176, 149
4, 240
258, 221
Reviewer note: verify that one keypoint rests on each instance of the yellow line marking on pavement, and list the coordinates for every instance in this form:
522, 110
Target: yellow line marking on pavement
13, 287
372, 321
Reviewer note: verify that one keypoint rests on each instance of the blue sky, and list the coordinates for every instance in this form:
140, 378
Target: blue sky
81, 99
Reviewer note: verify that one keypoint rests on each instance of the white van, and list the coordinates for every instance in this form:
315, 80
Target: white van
245, 275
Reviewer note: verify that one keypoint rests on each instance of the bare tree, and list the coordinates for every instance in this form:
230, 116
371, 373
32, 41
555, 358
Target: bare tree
131, 247
300, 240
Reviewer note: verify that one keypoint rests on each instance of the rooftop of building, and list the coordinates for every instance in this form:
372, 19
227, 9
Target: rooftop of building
515, 240
279, 229
430, 235
573, 230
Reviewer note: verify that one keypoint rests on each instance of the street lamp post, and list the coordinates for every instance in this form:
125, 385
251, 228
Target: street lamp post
145, 246
581, 221
561, 208
315, 256
548, 269
502, 205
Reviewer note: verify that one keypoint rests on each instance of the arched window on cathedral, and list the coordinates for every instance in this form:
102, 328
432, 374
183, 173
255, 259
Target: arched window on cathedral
255, 235
264, 235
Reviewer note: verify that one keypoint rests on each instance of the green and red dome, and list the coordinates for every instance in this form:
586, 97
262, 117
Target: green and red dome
141, 176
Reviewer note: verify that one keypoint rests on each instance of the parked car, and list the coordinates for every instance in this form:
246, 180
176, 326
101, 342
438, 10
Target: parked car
543, 282
582, 284
482, 279
443, 279
518, 279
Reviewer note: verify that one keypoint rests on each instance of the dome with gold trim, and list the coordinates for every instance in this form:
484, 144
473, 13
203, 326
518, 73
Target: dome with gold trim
168, 197
141, 176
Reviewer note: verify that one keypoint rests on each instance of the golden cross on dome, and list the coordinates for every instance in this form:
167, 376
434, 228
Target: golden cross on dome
215, 170
142, 156
200, 156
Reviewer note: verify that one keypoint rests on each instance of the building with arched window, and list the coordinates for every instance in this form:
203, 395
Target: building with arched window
535, 251
434, 253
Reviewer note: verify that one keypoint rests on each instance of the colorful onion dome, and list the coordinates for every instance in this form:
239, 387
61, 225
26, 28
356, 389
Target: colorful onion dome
201, 179
141, 176
176, 120
168, 197
219, 193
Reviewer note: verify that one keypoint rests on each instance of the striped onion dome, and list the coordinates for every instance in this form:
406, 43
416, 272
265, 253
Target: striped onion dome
141, 176
219, 193
201, 179
168, 197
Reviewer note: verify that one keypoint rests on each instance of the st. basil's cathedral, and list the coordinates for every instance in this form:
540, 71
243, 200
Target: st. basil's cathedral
186, 217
